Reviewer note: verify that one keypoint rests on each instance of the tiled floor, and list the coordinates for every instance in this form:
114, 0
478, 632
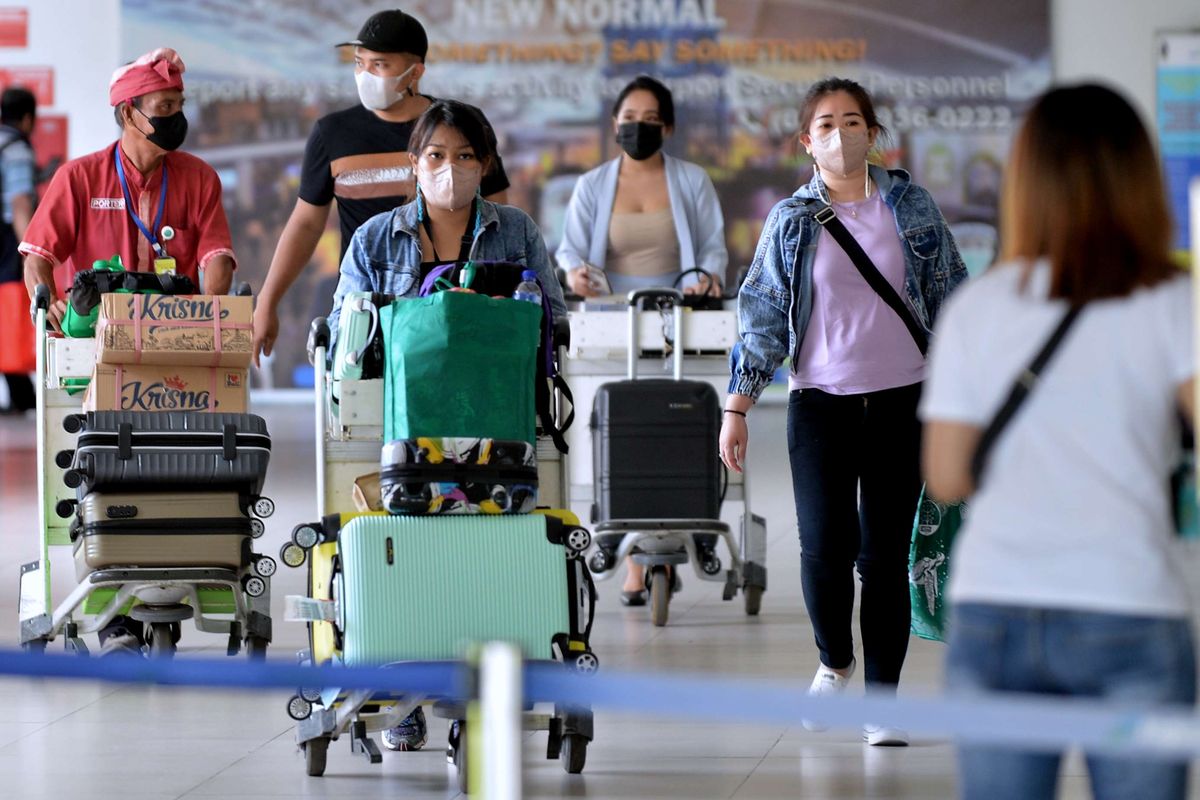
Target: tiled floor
99, 741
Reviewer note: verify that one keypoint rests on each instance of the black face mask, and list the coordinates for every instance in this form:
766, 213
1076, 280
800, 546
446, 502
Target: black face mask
640, 139
169, 131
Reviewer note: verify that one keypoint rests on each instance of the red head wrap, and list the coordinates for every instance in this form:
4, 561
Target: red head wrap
157, 70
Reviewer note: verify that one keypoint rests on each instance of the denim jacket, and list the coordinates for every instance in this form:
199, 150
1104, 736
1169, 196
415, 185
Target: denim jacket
775, 301
385, 254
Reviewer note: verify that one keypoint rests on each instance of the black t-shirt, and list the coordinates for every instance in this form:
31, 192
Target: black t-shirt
360, 160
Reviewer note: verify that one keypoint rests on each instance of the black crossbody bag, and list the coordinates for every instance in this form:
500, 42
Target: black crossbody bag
1018, 393
828, 220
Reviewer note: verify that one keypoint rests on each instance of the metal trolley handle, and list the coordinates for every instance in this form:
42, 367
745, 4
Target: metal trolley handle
636, 304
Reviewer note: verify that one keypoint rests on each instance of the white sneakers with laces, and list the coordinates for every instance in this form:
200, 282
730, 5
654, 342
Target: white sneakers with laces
827, 682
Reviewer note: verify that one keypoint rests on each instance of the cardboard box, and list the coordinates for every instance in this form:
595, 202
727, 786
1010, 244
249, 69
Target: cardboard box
145, 387
175, 330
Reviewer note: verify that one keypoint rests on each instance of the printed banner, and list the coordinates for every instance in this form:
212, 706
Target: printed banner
1178, 114
949, 89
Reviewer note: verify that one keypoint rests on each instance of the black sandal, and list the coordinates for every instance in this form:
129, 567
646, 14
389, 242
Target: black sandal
637, 598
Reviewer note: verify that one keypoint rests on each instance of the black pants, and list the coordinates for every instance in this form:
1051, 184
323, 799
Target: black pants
856, 476
20, 392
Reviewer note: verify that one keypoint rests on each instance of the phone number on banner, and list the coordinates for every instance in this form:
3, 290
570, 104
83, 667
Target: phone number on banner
899, 119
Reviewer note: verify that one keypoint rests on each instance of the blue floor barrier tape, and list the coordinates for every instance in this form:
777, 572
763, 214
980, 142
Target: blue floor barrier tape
1031, 723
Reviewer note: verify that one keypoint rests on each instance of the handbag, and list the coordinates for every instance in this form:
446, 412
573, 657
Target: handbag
460, 365
937, 524
934, 530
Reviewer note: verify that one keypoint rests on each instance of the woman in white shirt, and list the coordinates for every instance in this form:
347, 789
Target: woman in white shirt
1063, 580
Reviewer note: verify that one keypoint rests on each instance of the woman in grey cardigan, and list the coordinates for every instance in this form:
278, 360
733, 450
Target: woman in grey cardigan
643, 218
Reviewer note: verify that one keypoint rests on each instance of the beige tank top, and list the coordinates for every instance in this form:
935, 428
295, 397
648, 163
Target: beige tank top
642, 243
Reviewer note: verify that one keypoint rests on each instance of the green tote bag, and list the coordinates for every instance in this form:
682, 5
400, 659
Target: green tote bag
934, 530
460, 365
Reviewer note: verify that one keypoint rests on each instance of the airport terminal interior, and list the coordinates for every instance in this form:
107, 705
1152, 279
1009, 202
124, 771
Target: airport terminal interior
107, 742
951, 83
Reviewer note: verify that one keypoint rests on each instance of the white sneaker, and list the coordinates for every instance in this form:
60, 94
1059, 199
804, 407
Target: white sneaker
883, 736
827, 682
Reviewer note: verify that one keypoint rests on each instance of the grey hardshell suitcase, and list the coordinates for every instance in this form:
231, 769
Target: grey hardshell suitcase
167, 451
161, 529
655, 441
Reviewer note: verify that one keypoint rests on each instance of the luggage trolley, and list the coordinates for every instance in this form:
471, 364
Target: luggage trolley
232, 601
660, 543
349, 440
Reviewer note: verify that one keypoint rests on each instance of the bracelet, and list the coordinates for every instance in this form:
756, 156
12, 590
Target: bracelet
732, 411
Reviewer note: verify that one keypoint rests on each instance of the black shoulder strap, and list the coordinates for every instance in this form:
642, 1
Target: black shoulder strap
827, 217
1016, 396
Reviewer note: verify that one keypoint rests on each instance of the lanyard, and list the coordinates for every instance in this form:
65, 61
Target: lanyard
162, 201
468, 239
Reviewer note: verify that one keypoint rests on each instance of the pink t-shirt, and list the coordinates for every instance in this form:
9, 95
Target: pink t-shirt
855, 343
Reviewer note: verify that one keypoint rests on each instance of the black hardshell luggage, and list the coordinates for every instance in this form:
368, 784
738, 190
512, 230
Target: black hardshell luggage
654, 442
129, 451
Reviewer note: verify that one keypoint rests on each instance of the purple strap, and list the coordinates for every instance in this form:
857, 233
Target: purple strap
431, 278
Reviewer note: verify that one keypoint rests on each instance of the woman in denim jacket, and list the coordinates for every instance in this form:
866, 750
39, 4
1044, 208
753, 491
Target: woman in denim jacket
447, 221
856, 372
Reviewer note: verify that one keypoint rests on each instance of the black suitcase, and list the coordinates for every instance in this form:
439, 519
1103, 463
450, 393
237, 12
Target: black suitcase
654, 442
128, 451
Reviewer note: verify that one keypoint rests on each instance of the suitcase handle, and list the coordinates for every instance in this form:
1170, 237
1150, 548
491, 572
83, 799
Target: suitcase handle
636, 303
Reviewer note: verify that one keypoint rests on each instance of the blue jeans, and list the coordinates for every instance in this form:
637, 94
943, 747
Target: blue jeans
1130, 660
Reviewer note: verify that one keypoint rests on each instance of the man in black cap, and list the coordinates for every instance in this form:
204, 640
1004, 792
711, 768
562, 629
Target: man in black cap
358, 156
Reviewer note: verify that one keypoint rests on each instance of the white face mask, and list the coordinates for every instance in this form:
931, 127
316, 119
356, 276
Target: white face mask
378, 92
450, 186
841, 151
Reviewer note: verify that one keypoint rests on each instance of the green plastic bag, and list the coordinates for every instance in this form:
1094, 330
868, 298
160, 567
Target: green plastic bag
934, 530
460, 365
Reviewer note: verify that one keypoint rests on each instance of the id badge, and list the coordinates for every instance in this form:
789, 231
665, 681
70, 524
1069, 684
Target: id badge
164, 266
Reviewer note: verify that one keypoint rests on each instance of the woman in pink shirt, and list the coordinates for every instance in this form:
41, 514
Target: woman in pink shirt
856, 331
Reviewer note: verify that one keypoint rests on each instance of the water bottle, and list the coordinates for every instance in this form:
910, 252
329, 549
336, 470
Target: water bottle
528, 288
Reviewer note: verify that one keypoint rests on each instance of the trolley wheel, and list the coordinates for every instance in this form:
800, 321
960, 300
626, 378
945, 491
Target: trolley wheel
65, 509
574, 753
305, 536
72, 478
257, 528
311, 693
315, 751
579, 540
460, 758
660, 596
586, 663
256, 648
298, 708
63, 458
263, 507
161, 640
254, 586
752, 595
292, 554
73, 423
600, 561
264, 566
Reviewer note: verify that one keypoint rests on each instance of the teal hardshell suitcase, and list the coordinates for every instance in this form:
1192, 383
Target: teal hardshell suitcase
425, 588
